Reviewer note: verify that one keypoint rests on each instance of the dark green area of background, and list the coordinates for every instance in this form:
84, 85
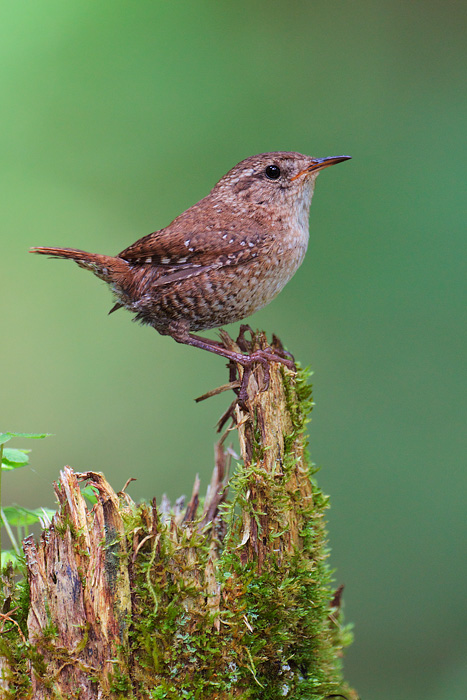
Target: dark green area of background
116, 116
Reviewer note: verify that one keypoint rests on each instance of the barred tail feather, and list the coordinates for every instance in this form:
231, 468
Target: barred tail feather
104, 266
71, 253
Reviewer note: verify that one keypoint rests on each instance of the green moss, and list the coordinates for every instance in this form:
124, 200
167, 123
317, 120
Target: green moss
272, 636
283, 635
64, 524
120, 683
14, 646
170, 631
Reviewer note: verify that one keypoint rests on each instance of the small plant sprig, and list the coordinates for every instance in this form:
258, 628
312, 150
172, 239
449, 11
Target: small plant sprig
15, 516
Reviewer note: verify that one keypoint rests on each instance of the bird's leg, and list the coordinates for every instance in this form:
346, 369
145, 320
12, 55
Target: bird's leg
180, 333
276, 345
210, 341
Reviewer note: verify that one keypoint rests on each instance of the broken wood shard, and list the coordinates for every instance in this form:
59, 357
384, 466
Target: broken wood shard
80, 591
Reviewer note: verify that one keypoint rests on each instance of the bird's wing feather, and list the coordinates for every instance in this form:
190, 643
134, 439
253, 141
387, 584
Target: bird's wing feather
194, 240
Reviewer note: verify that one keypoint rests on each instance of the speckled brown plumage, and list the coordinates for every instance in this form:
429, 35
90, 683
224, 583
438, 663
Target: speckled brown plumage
222, 259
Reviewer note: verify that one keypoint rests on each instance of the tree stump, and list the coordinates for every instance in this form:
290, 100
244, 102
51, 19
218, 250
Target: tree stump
226, 597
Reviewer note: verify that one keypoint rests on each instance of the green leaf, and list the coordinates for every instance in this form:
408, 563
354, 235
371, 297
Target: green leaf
18, 516
14, 459
89, 494
9, 555
4, 437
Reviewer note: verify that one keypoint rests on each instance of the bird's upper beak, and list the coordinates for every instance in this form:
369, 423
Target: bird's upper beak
319, 164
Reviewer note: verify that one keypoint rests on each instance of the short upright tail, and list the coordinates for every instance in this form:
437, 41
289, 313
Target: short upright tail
72, 253
104, 266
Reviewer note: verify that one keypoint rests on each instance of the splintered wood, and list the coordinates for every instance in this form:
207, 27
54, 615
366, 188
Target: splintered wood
80, 591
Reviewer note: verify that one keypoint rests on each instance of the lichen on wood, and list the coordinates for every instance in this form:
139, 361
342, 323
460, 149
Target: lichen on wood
227, 597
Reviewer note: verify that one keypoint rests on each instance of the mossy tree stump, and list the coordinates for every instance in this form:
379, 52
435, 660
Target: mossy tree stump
229, 598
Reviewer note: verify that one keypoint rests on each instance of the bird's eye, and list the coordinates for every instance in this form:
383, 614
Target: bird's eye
273, 172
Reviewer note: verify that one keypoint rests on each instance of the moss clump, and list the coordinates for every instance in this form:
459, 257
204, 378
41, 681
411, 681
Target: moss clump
270, 633
15, 651
171, 634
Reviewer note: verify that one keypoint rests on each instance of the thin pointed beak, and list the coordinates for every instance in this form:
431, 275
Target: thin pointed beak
320, 163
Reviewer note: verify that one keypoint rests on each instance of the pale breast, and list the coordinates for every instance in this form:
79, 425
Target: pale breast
229, 295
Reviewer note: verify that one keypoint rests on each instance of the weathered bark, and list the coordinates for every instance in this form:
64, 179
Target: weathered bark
269, 422
80, 601
214, 600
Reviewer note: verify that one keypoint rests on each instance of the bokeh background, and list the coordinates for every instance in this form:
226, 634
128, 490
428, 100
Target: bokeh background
116, 116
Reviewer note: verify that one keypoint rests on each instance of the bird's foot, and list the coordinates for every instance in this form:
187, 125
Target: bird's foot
248, 362
247, 359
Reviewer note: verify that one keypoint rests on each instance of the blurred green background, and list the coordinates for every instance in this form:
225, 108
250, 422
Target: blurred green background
116, 116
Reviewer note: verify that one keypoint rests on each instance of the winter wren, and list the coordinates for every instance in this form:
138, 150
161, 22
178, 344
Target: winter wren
222, 259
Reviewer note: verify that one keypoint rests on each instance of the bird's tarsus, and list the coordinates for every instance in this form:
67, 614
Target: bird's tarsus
247, 360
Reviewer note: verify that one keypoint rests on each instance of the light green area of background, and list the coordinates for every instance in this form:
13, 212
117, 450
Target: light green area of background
116, 116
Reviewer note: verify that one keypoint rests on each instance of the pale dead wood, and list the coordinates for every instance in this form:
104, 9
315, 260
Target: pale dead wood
80, 591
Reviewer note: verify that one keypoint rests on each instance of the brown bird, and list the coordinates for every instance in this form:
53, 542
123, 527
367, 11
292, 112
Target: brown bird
222, 259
